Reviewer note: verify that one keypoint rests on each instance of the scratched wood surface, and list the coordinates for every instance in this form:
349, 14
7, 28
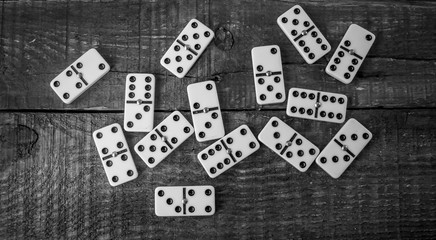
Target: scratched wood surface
52, 183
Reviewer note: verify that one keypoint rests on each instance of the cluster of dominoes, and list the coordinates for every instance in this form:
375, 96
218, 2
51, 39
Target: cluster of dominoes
228, 150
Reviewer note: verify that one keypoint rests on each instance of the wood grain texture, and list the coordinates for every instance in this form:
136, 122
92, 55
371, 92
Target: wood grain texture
53, 184
42, 38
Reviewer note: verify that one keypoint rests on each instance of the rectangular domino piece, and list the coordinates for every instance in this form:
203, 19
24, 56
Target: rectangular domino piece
317, 105
139, 102
350, 54
184, 201
205, 111
187, 48
229, 150
268, 75
303, 34
115, 154
164, 139
79, 76
341, 151
288, 144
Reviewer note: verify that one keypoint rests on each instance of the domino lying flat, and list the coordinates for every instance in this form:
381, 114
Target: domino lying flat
164, 139
184, 201
79, 76
139, 102
303, 34
350, 54
187, 48
288, 144
229, 150
341, 151
205, 111
316, 105
115, 154
268, 75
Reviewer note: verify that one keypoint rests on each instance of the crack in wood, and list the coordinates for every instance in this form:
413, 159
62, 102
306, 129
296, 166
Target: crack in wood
18, 140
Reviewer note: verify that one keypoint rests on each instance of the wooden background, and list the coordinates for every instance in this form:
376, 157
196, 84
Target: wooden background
52, 182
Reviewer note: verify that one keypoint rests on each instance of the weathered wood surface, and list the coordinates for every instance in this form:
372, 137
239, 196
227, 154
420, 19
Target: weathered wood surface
53, 184
39, 39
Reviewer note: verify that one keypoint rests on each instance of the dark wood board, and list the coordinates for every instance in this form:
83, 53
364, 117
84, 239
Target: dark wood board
41, 39
52, 184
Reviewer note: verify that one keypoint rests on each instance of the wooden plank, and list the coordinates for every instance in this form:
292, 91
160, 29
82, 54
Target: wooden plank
2, 60
42, 37
53, 185
161, 23
115, 32
33, 37
398, 88
400, 28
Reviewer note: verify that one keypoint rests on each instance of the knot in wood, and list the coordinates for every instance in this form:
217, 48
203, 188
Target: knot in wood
223, 38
